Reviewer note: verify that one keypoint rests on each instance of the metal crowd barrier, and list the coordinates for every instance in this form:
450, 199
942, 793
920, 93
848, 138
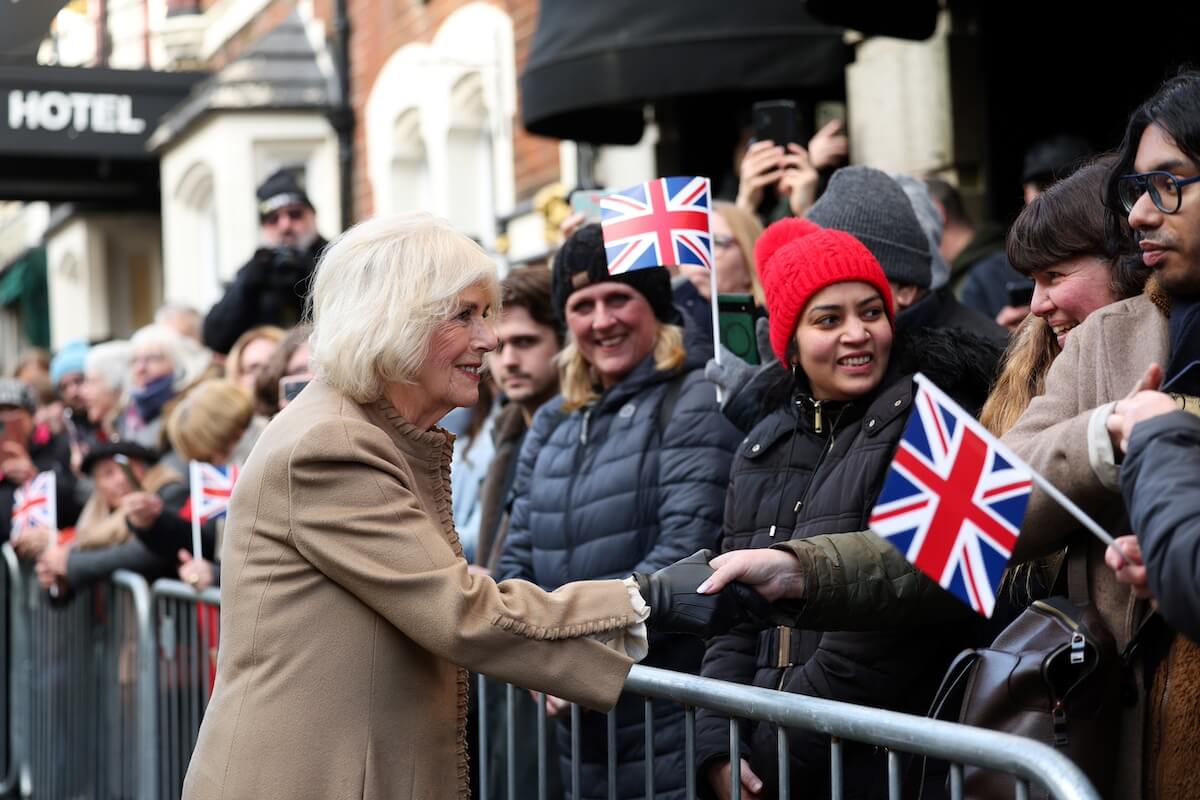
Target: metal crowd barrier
105, 696
1032, 763
81, 724
187, 623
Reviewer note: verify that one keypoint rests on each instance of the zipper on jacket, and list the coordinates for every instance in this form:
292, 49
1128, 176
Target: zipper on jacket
816, 416
817, 427
583, 428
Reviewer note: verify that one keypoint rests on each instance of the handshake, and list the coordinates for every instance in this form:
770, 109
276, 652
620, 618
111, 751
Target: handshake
677, 606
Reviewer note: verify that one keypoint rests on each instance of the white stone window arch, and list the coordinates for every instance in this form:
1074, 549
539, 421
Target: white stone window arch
462, 90
470, 161
409, 179
196, 205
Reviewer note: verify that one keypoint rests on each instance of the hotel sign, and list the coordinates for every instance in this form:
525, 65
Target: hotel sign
84, 113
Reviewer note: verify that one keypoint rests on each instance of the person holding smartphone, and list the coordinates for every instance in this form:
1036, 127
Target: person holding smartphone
777, 175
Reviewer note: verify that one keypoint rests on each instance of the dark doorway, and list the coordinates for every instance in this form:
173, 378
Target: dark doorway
1068, 68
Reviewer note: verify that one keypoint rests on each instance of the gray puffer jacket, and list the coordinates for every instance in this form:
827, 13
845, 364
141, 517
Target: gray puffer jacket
634, 482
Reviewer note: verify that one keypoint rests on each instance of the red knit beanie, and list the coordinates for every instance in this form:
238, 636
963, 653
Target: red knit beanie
796, 259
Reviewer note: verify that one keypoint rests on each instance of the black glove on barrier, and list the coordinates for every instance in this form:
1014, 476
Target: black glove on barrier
676, 608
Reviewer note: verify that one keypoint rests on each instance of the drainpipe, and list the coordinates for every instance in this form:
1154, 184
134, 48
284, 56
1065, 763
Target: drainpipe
102, 33
342, 117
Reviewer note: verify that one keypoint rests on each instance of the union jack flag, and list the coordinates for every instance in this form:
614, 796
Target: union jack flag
211, 488
953, 499
35, 505
660, 223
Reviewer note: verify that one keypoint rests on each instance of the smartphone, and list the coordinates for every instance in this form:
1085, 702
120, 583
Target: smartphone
735, 315
777, 120
290, 386
587, 202
123, 462
1020, 293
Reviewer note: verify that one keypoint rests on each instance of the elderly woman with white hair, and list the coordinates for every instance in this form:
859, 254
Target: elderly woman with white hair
349, 619
105, 370
162, 364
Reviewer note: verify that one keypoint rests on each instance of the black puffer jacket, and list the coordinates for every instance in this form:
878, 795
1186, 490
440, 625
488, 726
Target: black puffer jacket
807, 469
625, 485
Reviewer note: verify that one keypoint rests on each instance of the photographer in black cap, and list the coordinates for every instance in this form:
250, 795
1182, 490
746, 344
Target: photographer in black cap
272, 287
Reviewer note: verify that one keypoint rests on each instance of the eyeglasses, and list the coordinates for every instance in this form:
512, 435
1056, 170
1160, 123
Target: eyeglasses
294, 214
722, 240
1166, 190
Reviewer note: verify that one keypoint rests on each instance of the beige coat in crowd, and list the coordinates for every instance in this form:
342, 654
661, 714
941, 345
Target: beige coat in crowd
1062, 436
348, 619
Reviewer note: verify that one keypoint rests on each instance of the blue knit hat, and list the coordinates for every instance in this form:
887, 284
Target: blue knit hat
69, 359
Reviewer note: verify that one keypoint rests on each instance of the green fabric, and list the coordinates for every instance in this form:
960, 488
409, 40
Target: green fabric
857, 581
23, 285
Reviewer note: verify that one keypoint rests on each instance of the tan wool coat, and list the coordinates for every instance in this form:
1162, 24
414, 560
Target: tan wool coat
349, 621
1102, 360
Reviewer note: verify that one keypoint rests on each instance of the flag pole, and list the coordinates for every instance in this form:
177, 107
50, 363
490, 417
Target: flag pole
712, 290
195, 492
52, 506
1074, 510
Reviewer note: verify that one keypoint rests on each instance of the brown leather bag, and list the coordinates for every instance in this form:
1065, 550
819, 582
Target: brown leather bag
1053, 675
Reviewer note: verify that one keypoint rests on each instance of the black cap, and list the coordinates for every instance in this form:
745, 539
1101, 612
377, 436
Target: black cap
581, 262
105, 450
281, 188
1053, 159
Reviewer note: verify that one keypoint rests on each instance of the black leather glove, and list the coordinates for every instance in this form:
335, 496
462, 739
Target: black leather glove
676, 608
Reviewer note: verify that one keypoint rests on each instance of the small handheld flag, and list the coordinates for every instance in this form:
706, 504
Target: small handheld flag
211, 489
35, 505
953, 499
660, 223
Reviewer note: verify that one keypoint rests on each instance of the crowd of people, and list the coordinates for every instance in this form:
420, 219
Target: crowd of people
601, 446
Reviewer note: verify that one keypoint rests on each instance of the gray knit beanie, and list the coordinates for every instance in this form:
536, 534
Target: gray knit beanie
931, 223
869, 205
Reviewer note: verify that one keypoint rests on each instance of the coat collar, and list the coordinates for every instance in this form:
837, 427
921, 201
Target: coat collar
431, 447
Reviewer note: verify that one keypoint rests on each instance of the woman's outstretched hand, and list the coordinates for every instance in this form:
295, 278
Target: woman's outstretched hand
773, 574
677, 605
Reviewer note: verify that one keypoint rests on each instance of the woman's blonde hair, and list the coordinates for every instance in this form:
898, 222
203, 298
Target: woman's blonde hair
379, 291
578, 381
233, 363
210, 419
1022, 375
746, 230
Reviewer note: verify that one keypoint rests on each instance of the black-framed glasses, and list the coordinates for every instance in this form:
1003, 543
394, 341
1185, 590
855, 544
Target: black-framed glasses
1166, 190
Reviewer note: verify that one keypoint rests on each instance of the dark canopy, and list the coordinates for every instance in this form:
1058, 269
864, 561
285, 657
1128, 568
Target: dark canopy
595, 64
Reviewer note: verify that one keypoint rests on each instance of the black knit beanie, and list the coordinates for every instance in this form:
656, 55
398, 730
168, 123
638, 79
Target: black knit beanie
581, 262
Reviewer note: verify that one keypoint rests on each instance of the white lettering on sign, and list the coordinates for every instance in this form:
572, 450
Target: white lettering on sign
80, 111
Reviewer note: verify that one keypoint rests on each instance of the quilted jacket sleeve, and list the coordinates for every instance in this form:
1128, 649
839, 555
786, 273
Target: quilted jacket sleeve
517, 559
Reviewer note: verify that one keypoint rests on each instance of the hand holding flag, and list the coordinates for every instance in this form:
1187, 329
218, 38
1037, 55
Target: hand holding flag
35, 505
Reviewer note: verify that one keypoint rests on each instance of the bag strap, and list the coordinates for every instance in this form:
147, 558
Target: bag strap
1078, 586
953, 685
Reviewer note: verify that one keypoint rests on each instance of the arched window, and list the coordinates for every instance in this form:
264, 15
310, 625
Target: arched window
410, 182
470, 178
199, 225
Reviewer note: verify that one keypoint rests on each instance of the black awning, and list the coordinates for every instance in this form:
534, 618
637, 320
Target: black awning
595, 64
903, 19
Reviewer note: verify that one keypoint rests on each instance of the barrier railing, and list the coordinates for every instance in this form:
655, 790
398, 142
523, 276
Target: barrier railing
1033, 763
107, 691
187, 623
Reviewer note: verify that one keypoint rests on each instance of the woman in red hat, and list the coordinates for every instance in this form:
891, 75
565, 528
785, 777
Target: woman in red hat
814, 465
